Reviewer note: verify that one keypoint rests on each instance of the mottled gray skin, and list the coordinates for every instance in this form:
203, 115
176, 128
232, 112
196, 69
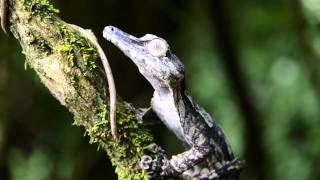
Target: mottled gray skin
4, 15
207, 144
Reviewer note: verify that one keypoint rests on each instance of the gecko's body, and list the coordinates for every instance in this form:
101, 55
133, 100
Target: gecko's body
175, 108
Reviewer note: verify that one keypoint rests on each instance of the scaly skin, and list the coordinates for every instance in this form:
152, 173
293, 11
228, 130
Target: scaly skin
208, 150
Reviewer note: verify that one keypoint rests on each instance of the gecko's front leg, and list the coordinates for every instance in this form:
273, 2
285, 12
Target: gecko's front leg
181, 162
146, 116
157, 166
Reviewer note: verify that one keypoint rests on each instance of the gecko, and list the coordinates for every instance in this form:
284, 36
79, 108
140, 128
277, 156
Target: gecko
112, 89
204, 138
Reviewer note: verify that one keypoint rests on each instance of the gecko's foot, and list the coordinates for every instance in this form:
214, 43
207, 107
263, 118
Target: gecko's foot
148, 165
140, 112
157, 167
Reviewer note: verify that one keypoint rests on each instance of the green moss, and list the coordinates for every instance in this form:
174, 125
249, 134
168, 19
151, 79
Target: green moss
40, 7
128, 129
67, 50
74, 42
133, 137
98, 129
42, 46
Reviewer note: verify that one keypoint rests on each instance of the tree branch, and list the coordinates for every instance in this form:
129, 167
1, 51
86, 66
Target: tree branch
69, 67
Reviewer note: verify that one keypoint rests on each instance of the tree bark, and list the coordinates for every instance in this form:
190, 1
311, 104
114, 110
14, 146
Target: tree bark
68, 65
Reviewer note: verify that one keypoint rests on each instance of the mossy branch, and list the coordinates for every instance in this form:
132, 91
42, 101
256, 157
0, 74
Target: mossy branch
69, 67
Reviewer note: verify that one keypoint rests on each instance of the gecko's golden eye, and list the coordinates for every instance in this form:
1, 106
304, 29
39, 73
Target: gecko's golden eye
158, 47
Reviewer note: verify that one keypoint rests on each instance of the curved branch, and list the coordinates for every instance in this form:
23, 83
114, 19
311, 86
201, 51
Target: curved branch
69, 67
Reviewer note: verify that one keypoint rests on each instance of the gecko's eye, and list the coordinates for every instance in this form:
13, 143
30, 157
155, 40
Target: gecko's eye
158, 47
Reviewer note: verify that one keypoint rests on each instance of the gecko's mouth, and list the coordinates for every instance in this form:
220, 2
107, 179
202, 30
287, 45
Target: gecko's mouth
116, 35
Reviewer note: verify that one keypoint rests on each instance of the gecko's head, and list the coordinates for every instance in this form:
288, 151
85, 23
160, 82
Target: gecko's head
151, 54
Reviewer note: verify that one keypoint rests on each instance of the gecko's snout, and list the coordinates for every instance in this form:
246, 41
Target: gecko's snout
107, 31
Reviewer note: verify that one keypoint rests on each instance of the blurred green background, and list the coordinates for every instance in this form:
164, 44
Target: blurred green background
253, 64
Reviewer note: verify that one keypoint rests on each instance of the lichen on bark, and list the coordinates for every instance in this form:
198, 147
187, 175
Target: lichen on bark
69, 67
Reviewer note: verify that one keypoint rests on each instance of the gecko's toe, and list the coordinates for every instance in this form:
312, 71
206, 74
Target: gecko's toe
146, 162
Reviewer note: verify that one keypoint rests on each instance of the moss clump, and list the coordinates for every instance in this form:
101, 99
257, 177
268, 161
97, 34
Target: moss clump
132, 136
73, 42
134, 142
67, 50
